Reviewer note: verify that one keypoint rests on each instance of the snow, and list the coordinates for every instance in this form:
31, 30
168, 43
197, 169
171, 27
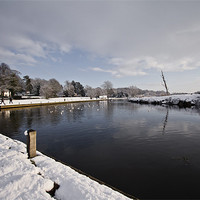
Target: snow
19, 178
186, 99
23, 178
50, 100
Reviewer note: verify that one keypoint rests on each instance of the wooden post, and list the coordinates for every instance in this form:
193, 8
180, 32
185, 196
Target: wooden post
31, 143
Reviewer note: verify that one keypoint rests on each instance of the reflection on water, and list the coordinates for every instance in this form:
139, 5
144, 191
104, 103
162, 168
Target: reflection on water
145, 150
165, 121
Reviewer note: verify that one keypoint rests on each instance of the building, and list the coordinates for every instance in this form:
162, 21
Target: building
103, 97
6, 93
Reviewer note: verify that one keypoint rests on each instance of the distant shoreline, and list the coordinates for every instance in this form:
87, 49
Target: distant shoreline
185, 100
51, 101
44, 102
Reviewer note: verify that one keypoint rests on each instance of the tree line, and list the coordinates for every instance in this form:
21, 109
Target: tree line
11, 81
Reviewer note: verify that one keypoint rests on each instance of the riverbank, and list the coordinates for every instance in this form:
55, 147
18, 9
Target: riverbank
186, 100
42, 102
41, 177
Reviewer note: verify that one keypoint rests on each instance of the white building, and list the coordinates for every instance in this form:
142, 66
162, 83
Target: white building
103, 97
6, 93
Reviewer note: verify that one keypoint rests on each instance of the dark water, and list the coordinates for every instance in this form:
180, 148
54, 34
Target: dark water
151, 152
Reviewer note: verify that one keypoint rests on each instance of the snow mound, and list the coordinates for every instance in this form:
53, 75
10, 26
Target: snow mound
19, 178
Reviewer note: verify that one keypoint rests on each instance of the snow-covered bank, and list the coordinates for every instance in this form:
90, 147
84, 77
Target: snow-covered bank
40, 102
22, 178
186, 100
50, 100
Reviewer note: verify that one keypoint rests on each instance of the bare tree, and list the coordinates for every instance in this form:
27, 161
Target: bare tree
98, 92
93, 92
46, 90
164, 81
133, 91
37, 84
51, 88
90, 92
68, 89
56, 87
108, 87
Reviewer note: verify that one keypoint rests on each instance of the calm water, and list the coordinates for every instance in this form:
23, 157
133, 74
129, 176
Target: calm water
147, 151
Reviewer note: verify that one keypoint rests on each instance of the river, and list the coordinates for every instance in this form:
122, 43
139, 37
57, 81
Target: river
151, 152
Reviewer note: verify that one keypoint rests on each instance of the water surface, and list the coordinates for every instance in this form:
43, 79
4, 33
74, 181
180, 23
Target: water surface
151, 152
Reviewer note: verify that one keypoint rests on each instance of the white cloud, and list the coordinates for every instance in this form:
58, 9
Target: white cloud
29, 48
140, 66
138, 36
26, 46
65, 48
113, 72
15, 58
114, 28
21, 50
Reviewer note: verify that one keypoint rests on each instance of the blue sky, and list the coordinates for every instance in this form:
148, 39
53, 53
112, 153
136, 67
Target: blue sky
126, 42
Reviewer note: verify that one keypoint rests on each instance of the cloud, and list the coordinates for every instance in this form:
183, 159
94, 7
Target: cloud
129, 67
65, 48
113, 72
18, 49
140, 66
28, 50
137, 36
27, 46
15, 58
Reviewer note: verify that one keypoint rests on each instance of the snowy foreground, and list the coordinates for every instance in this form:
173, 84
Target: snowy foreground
186, 100
23, 178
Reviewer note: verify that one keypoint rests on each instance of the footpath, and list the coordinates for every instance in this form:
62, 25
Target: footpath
42, 177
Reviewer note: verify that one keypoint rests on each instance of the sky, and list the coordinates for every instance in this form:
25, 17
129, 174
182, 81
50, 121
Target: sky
125, 42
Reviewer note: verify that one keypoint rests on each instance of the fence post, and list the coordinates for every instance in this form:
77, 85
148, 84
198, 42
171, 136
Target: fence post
31, 143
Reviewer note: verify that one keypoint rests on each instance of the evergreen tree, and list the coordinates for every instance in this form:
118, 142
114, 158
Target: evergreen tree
28, 85
74, 89
9, 79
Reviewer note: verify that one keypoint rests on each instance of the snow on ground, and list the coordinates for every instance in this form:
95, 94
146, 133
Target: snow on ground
50, 100
181, 100
23, 178
19, 178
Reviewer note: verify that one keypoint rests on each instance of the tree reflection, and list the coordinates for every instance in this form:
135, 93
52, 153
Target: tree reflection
10, 122
165, 121
29, 119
